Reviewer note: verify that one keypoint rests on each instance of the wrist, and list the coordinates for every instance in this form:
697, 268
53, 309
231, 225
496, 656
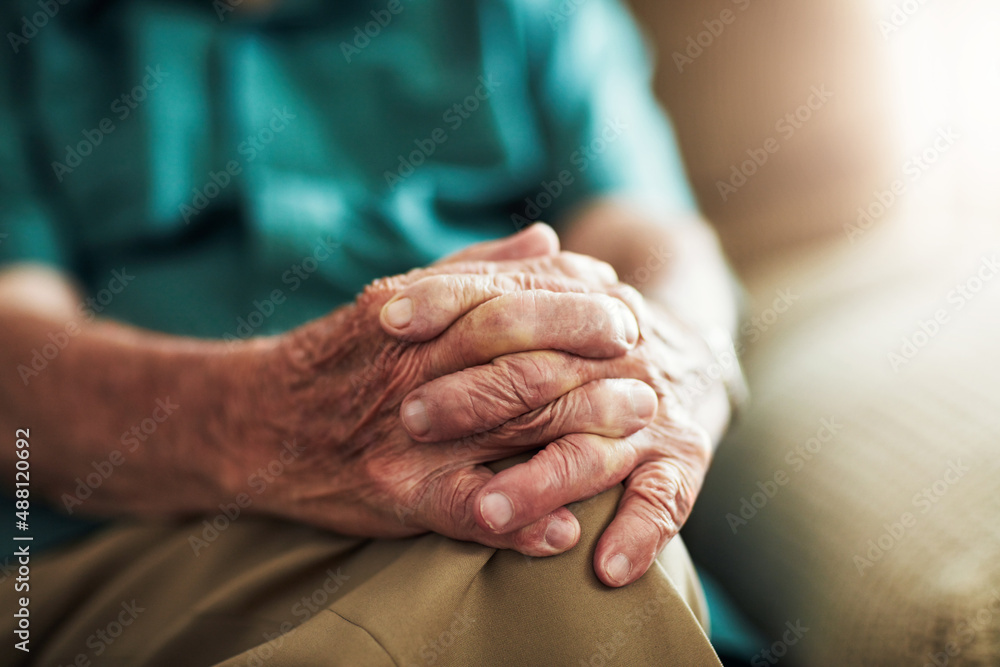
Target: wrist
239, 390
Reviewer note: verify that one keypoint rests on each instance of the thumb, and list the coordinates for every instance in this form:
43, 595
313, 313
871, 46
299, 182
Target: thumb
538, 240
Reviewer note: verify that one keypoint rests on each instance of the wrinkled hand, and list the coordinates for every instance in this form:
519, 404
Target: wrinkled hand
335, 387
662, 465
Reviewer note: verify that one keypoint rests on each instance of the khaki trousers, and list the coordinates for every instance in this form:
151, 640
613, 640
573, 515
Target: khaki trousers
265, 592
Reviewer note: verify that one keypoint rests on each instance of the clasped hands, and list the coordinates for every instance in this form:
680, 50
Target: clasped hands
398, 400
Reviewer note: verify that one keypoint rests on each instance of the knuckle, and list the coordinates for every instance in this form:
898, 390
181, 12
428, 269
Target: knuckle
474, 290
556, 283
470, 401
637, 367
376, 293
605, 273
553, 466
630, 296
666, 502
525, 541
608, 316
591, 269
457, 289
522, 380
502, 283
380, 475
572, 460
574, 265
529, 307
590, 405
404, 367
455, 502
687, 443
453, 405
533, 427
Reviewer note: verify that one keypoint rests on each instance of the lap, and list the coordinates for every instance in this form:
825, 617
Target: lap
267, 592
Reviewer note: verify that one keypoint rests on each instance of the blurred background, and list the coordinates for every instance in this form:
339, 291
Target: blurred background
898, 71
878, 210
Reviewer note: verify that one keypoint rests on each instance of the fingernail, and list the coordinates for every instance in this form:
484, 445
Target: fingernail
399, 313
643, 400
497, 510
618, 568
630, 327
415, 418
560, 534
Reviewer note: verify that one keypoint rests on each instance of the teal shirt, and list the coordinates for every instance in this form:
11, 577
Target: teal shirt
222, 175
226, 159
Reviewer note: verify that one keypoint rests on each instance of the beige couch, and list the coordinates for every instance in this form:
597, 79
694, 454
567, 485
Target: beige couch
859, 493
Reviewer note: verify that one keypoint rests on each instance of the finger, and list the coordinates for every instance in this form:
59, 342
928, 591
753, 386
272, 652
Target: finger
432, 303
632, 298
564, 264
658, 498
614, 408
588, 325
538, 240
424, 309
571, 468
447, 509
529, 398
655, 505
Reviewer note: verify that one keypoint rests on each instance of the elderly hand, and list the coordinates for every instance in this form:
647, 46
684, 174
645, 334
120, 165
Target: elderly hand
662, 465
335, 386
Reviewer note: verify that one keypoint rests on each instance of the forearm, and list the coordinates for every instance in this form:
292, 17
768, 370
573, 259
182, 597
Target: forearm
100, 397
677, 264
